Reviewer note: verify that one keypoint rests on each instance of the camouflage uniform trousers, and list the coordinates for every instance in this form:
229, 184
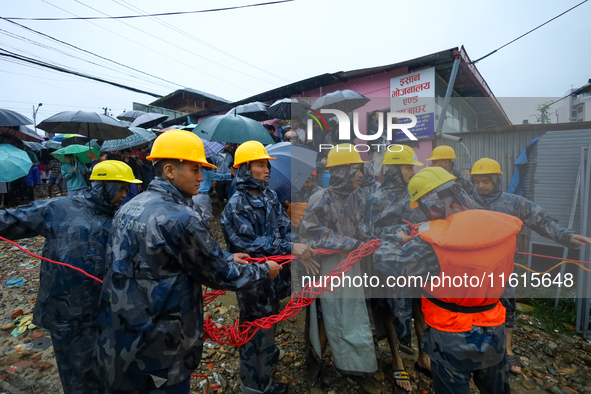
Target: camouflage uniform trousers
257, 357
491, 380
456, 357
76, 361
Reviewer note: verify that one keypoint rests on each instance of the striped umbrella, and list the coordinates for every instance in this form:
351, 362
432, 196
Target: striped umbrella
138, 137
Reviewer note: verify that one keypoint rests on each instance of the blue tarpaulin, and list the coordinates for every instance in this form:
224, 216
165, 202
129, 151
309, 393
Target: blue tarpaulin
518, 181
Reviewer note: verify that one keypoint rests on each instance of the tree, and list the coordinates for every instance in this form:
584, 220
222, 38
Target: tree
543, 113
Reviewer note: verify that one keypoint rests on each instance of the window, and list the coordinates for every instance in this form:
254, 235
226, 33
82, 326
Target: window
574, 114
580, 109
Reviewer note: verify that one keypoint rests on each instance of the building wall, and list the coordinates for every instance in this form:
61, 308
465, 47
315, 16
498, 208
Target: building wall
376, 87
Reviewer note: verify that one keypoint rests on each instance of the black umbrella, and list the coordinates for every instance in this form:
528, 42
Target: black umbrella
285, 108
130, 116
22, 133
344, 100
90, 124
148, 120
256, 110
11, 118
76, 140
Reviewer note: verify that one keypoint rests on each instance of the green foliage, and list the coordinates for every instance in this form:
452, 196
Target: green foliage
543, 113
551, 318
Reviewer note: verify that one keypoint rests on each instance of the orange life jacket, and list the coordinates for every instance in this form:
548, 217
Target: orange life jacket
471, 245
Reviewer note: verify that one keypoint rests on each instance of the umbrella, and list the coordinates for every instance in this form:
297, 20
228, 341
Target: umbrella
34, 146
139, 137
283, 109
232, 128
149, 120
255, 110
14, 163
53, 144
344, 100
90, 124
22, 133
11, 118
75, 140
94, 144
212, 147
81, 153
60, 137
294, 162
130, 116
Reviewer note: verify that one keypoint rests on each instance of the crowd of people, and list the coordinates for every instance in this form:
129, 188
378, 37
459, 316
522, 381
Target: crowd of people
142, 226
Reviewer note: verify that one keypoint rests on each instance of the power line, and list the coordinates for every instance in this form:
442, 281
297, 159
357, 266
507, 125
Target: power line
33, 42
179, 47
180, 31
25, 59
89, 52
153, 50
525, 34
148, 15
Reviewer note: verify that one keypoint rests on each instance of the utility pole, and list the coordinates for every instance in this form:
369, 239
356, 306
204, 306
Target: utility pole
106, 111
35, 115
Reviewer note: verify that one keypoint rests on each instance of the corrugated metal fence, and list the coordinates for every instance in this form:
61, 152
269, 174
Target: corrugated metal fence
503, 147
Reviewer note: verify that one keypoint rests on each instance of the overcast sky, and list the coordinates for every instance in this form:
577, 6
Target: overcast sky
237, 53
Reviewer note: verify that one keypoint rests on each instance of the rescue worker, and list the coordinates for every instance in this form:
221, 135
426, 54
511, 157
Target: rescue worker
76, 230
486, 176
254, 222
443, 156
333, 220
368, 185
308, 189
385, 211
160, 252
465, 337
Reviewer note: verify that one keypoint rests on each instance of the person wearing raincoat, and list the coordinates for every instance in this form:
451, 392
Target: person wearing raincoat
73, 173
486, 176
465, 337
76, 231
254, 222
385, 211
333, 220
160, 253
443, 156
368, 185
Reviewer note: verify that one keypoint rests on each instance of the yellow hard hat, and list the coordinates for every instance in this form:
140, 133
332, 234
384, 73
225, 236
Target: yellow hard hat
113, 170
426, 180
180, 145
250, 151
401, 154
486, 166
443, 152
343, 154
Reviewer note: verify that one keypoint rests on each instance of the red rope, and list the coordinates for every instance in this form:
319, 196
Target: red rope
202, 376
51, 261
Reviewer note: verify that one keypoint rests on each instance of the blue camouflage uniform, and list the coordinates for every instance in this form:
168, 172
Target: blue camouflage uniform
256, 224
385, 211
456, 357
304, 195
76, 231
368, 186
461, 180
150, 320
333, 220
533, 216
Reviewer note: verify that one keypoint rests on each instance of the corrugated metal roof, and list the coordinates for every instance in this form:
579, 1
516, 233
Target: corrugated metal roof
556, 173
